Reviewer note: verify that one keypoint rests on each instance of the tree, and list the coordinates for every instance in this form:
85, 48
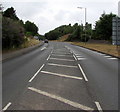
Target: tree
11, 13
12, 33
103, 28
31, 27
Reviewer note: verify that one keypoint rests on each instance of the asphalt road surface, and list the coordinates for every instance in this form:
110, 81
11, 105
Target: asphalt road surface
61, 76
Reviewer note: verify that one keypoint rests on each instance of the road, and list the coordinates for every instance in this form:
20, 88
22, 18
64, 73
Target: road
61, 76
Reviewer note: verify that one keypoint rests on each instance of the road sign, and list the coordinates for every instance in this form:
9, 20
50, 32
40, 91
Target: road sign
116, 31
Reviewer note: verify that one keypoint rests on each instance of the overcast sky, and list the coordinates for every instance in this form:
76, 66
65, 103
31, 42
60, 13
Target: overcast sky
49, 14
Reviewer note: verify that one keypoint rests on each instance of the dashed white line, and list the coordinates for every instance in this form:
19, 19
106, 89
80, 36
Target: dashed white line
62, 75
75, 57
61, 59
61, 99
48, 57
82, 72
36, 73
7, 106
43, 48
98, 107
52, 64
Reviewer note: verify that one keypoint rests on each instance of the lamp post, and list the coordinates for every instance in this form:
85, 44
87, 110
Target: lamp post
85, 19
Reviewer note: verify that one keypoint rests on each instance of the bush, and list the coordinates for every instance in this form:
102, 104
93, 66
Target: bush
12, 33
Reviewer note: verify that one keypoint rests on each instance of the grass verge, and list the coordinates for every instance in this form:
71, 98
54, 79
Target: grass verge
105, 48
29, 43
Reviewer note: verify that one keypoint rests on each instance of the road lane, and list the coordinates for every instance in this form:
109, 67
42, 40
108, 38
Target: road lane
102, 74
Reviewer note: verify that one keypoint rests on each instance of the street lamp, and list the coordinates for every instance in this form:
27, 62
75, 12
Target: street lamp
85, 18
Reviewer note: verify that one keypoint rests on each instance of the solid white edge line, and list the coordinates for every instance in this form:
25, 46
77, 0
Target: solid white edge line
62, 75
48, 57
36, 73
61, 99
52, 64
82, 72
75, 57
61, 59
98, 107
7, 106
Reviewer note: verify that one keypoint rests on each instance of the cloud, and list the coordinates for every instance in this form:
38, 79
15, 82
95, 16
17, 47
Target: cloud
48, 14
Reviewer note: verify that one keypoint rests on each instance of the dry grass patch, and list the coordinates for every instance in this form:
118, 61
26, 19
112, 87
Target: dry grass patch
105, 48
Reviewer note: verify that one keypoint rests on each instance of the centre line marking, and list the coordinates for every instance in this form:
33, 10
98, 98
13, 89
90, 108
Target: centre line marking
75, 57
36, 73
7, 106
98, 107
61, 59
48, 57
62, 75
52, 64
43, 48
61, 99
82, 72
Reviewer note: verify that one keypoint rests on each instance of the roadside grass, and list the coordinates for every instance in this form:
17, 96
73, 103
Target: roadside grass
105, 48
30, 42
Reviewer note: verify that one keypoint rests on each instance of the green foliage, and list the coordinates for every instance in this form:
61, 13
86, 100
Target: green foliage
31, 27
12, 33
10, 13
103, 28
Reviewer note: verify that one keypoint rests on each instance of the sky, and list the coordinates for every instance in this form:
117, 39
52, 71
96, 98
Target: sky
49, 14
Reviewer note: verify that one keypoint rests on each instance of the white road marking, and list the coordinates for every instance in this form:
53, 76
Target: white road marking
43, 48
7, 106
52, 64
81, 58
61, 59
61, 55
107, 56
75, 57
62, 75
36, 73
61, 99
98, 107
77, 54
102, 54
48, 57
112, 58
82, 72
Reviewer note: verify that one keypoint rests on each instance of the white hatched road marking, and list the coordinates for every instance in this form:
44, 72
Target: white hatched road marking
52, 64
113, 58
75, 57
61, 99
7, 106
82, 72
81, 58
107, 56
62, 75
48, 57
61, 59
61, 55
43, 48
98, 107
36, 73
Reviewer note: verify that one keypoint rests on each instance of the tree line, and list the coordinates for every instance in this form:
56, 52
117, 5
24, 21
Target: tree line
14, 30
101, 31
